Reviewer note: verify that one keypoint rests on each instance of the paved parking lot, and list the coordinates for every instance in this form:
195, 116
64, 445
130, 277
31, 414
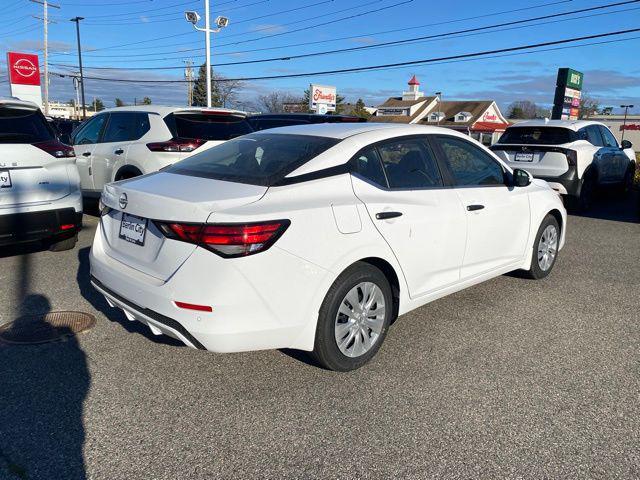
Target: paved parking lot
512, 378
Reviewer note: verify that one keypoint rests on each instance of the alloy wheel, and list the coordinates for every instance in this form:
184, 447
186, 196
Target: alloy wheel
547, 247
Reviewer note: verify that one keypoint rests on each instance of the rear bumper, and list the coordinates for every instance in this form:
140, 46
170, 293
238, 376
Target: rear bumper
566, 184
251, 309
32, 226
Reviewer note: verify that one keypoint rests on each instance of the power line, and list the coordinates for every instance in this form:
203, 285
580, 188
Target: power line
457, 34
446, 22
396, 64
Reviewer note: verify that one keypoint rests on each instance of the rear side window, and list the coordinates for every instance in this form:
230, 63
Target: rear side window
258, 159
468, 164
538, 136
126, 127
367, 164
206, 126
409, 164
592, 135
19, 125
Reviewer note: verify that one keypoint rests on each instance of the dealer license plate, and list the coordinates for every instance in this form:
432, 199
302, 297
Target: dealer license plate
524, 157
133, 229
5, 179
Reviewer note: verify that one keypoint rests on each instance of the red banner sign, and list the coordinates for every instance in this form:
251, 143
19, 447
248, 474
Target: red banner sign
23, 68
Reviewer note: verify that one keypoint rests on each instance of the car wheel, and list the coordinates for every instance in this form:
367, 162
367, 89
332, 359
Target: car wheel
354, 318
582, 203
627, 182
62, 245
545, 248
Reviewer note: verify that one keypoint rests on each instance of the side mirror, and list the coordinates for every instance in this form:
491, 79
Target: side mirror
626, 144
521, 178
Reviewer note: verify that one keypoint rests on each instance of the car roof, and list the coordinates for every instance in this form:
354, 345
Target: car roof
164, 110
16, 102
574, 125
300, 115
345, 130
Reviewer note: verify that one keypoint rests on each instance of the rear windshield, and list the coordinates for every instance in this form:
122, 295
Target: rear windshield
258, 159
18, 125
538, 136
207, 126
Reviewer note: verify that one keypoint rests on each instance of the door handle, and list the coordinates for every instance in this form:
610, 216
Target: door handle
86, 154
473, 208
388, 215
119, 151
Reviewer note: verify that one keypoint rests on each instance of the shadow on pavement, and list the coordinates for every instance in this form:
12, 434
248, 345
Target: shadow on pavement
42, 391
608, 205
97, 300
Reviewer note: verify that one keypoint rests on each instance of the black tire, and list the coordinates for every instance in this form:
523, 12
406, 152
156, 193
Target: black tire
536, 272
626, 186
326, 350
583, 202
126, 173
62, 245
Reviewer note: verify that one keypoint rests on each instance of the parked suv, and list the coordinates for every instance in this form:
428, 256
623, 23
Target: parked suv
274, 120
39, 184
575, 157
125, 142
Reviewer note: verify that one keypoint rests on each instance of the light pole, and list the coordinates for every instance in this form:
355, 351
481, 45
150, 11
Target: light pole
221, 22
77, 20
624, 122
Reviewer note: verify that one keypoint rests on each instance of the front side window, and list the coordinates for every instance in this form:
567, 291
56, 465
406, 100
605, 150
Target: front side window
257, 159
409, 164
19, 125
90, 133
468, 164
609, 139
126, 127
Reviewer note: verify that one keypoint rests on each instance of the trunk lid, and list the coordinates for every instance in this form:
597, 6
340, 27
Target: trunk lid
167, 197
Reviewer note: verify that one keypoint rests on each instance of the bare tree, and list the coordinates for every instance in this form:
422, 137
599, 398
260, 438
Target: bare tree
227, 90
274, 102
522, 109
589, 106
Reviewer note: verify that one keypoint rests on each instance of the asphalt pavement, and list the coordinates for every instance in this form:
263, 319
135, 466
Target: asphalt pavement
512, 378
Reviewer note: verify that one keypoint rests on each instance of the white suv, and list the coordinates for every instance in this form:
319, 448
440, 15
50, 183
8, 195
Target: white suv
575, 157
125, 142
40, 195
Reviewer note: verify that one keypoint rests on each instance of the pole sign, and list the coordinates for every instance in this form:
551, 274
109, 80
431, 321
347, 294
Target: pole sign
322, 98
566, 102
24, 77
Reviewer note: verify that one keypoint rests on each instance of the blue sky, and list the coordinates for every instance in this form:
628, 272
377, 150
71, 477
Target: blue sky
126, 34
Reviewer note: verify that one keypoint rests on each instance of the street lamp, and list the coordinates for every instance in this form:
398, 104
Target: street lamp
221, 22
77, 22
624, 122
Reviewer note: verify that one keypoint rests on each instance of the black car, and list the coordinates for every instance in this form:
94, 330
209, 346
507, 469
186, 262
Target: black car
273, 120
63, 128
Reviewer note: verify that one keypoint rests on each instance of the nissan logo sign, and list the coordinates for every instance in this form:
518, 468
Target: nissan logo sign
123, 201
24, 67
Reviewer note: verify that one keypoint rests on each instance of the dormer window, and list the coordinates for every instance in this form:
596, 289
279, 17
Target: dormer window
436, 117
463, 117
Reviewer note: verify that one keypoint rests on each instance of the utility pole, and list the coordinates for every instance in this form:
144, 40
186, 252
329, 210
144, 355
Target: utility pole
45, 18
439, 95
188, 76
624, 122
77, 21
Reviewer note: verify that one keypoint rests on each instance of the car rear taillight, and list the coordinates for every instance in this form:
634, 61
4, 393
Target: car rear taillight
56, 149
176, 145
572, 158
229, 239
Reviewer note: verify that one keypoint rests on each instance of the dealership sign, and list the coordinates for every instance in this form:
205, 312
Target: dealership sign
24, 76
322, 98
566, 102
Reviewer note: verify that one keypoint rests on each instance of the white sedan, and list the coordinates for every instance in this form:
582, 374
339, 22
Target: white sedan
316, 237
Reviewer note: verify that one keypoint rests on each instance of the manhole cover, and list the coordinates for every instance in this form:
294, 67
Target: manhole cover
45, 328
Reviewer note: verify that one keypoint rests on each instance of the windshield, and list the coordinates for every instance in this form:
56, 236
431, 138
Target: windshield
258, 159
538, 136
18, 125
207, 126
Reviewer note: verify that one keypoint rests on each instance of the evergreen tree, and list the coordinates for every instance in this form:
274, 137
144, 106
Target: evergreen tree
146, 101
119, 102
359, 110
200, 90
99, 105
